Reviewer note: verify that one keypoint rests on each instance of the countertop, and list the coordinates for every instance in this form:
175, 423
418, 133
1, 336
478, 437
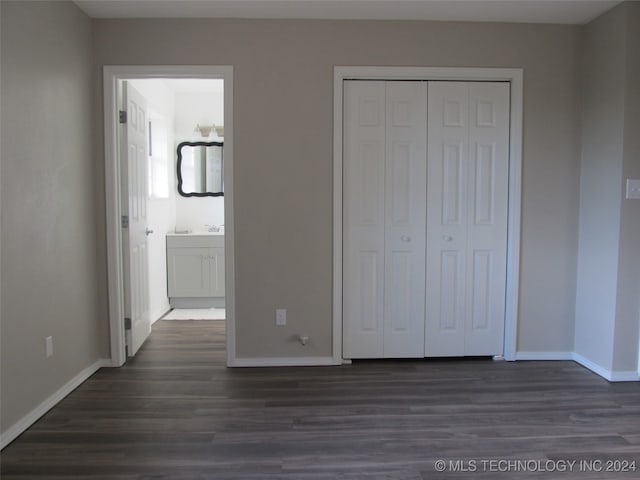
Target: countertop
196, 234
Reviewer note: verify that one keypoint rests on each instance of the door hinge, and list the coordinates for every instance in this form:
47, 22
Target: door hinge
125, 221
127, 323
123, 116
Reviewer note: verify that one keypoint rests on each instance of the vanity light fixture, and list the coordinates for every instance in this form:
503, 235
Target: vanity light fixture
206, 130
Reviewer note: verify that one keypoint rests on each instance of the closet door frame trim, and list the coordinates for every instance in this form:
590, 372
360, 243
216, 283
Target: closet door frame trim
512, 75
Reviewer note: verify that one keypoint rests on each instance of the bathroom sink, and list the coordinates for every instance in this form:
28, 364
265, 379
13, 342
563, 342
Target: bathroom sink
196, 232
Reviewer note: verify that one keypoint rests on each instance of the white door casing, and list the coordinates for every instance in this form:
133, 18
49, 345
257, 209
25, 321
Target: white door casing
134, 206
467, 218
112, 75
515, 78
384, 172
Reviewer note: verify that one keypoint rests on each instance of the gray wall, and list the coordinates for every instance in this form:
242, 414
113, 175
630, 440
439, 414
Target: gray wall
54, 261
50, 276
283, 108
601, 172
626, 341
608, 284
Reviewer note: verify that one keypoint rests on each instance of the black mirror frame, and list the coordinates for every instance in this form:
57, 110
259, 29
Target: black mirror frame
179, 165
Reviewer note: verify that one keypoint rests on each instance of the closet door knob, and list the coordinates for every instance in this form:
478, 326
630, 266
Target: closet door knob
148, 231
447, 238
405, 238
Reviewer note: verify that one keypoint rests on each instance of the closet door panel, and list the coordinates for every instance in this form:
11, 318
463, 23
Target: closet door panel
466, 218
447, 194
405, 217
364, 222
487, 222
450, 175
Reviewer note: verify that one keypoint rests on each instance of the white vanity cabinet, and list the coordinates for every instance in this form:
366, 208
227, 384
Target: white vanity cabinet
195, 270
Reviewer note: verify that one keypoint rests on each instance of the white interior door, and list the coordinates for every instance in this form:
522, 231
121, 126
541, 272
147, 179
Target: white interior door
384, 219
466, 218
134, 205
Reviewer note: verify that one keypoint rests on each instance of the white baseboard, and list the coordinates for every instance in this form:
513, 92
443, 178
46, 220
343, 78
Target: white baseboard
283, 362
544, 356
159, 313
624, 376
610, 375
25, 422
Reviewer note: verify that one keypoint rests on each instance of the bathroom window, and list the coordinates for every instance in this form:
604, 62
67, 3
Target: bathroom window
158, 161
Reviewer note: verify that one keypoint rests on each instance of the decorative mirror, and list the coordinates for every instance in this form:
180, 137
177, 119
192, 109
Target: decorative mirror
200, 172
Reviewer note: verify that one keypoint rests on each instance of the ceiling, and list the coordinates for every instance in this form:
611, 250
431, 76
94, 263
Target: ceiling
521, 11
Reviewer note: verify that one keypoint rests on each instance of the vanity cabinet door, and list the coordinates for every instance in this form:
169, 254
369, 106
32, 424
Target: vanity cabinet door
189, 272
216, 259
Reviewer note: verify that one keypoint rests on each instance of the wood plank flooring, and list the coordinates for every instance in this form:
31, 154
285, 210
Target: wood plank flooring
176, 412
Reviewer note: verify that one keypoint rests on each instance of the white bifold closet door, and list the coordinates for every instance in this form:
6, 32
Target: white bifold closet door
425, 227
467, 189
384, 214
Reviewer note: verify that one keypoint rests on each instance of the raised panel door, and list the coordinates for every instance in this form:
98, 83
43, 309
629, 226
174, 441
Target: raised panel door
466, 218
448, 157
136, 256
405, 217
487, 219
363, 215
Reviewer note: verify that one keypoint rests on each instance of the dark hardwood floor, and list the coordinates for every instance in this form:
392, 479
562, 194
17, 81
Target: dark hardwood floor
176, 412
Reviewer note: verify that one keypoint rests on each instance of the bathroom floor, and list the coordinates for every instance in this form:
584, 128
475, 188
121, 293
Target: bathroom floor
195, 314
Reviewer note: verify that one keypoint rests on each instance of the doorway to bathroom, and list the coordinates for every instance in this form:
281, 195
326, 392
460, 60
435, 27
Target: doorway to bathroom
184, 201
169, 177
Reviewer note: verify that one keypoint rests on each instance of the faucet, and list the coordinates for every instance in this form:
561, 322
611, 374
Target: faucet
213, 228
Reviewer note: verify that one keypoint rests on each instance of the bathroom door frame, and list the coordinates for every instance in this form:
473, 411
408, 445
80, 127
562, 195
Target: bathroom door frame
515, 78
112, 75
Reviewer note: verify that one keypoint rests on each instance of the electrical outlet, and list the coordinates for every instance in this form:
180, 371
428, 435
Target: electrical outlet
48, 346
281, 317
